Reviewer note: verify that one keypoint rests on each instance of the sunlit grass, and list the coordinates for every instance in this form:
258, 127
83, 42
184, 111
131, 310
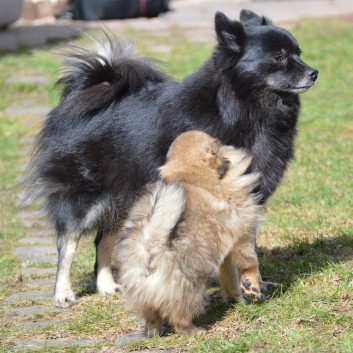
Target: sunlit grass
305, 243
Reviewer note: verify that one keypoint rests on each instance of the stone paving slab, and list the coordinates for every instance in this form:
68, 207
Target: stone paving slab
29, 79
38, 271
38, 110
32, 295
37, 254
37, 240
129, 337
30, 311
33, 324
31, 214
41, 283
35, 223
42, 233
57, 342
36, 35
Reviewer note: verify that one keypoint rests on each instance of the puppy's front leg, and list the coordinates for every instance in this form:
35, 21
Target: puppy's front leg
229, 281
245, 258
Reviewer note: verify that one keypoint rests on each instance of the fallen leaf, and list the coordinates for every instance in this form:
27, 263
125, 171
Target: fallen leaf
335, 280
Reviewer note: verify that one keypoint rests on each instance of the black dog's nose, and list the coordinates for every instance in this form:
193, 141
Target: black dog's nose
313, 73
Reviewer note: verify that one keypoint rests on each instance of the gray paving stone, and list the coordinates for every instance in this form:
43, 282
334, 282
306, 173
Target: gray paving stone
35, 223
35, 109
37, 254
31, 79
37, 240
161, 48
42, 233
41, 283
34, 310
129, 337
57, 342
33, 324
30, 214
39, 271
32, 295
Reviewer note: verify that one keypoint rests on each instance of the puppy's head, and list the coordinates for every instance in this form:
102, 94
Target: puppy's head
194, 156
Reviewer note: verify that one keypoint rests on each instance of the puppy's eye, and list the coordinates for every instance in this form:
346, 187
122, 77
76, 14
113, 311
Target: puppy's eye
279, 58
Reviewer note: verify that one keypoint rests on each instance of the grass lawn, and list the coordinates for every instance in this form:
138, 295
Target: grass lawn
305, 242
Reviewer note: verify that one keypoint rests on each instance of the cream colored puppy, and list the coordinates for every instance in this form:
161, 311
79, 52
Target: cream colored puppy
198, 221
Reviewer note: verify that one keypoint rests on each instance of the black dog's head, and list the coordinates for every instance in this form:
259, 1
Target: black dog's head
257, 55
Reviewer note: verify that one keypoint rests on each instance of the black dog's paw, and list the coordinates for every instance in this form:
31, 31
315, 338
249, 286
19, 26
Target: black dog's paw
65, 301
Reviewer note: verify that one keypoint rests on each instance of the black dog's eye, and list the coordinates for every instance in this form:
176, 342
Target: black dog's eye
279, 58
298, 51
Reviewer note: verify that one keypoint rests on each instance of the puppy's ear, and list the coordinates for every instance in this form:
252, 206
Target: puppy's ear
230, 34
251, 18
223, 168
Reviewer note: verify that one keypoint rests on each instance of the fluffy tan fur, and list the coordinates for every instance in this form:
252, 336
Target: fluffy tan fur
198, 221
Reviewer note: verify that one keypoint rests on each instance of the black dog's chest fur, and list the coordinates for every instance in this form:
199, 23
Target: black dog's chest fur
264, 123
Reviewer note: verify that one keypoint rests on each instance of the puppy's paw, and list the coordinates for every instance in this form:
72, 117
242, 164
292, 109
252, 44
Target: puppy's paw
65, 299
153, 331
251, 290
265, 286
189, 330
232, 299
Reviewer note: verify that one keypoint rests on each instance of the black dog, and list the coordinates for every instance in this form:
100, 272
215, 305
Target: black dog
119, 114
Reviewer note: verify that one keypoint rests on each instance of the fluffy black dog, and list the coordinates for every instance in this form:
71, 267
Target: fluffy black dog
119, 114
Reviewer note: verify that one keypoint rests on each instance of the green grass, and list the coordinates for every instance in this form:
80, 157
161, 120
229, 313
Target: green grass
305, 243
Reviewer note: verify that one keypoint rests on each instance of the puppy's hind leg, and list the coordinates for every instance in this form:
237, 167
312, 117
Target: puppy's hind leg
229, 281
64, 295
105, 280
182, 320
153, 322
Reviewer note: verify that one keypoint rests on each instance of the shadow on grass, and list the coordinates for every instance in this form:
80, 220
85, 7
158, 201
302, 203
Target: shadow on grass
283, 265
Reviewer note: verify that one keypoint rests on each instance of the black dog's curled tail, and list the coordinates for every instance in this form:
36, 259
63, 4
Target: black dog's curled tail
112, 64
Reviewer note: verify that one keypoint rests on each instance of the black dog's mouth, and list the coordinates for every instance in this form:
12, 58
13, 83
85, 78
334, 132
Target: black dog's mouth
299, 89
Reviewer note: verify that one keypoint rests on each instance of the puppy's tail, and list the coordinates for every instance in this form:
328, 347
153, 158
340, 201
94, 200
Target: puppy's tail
112, 64
168, 202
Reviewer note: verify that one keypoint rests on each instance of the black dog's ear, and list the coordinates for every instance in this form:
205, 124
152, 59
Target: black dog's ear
251, 18
230, 34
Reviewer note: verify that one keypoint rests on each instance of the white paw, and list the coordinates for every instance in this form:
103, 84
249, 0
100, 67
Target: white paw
64, 299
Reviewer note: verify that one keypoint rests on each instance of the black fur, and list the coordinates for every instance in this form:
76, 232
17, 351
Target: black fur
119, 115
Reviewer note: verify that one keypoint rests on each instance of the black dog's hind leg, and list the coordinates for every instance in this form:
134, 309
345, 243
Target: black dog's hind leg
104, 249
97, 240
64, 295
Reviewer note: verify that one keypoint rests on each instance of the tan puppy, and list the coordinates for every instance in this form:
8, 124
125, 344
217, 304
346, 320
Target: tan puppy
199, 221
